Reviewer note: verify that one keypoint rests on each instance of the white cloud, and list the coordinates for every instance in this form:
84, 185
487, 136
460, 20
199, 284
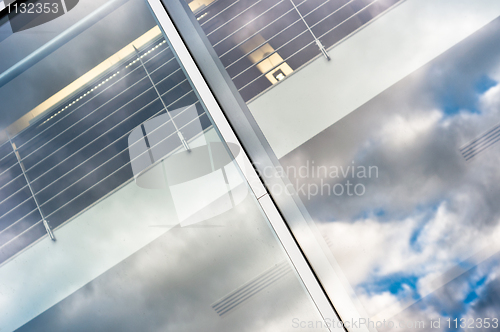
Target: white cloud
429, 209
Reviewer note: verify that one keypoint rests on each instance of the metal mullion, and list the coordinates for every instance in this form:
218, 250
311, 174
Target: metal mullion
221, 122
44, 221
318, 42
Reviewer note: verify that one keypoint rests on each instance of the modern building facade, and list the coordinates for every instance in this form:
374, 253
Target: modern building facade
260, 165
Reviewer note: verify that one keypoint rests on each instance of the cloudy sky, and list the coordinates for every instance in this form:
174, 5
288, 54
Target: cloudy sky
420, 242
171, 283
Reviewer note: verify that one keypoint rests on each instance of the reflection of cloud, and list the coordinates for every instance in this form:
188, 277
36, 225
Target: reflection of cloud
429, 209
472, 295
110, 271
171, 284
487, 304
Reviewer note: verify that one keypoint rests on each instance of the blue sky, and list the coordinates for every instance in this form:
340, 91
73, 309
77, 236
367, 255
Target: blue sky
430, 209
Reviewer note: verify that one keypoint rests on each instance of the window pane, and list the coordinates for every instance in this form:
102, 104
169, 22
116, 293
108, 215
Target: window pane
106, 146
391, 145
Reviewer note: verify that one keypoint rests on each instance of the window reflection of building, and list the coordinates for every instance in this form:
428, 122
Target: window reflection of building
202, 181
198, 5
266, 59
292, 33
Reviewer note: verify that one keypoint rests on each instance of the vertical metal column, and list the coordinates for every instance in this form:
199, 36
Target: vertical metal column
181, 137
167, 11
44, 221
320, 45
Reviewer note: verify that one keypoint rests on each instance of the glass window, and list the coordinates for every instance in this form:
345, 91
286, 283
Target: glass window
121, 208
390, 140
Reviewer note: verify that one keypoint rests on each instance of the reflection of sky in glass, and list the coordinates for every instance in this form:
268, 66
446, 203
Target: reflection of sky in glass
135, 258
418, 241
172, 283
130, 264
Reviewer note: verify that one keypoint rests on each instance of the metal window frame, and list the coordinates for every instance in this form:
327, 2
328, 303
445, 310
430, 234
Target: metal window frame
163, 12
228, 107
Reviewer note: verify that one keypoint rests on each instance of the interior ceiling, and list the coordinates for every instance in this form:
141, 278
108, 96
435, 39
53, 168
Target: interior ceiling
70, 61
